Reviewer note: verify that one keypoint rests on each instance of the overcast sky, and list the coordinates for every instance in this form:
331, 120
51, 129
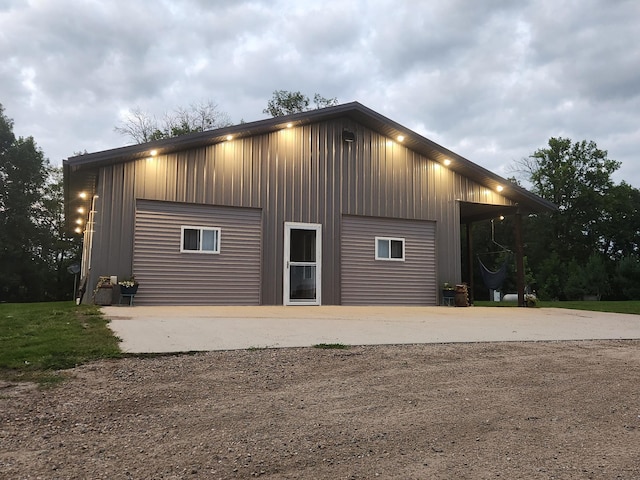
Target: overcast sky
491, 80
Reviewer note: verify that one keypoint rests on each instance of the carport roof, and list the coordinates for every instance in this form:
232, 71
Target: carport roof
84, 167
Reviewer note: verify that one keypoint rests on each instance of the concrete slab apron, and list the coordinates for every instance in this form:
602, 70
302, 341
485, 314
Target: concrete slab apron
193, 328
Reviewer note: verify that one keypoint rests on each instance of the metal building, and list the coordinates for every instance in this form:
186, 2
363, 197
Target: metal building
332, 206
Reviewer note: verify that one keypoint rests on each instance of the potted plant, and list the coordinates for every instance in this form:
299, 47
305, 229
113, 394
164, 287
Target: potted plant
103, 293
128, 286
448, 293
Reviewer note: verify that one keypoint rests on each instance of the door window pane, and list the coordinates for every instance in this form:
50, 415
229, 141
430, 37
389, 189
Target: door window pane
303, 245
302, 282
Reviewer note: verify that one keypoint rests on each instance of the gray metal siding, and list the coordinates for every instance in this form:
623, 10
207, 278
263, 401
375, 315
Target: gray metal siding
303, 174
170, 277
367, 281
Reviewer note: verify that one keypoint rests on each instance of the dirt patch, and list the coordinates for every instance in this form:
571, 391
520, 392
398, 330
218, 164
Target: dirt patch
506, 410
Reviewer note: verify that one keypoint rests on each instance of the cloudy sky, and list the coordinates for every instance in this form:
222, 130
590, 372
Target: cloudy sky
492, 80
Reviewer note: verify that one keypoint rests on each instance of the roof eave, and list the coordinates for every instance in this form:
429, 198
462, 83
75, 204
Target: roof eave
353, 110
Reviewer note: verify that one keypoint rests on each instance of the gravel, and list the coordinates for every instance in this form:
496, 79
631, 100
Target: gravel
548, 410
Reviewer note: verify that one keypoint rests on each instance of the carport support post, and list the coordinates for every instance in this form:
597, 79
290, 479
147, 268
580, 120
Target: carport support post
519, 259
470, 262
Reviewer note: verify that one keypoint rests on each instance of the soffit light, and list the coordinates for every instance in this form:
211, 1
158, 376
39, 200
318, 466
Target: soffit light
499, 188
229, 137
400, 138
153, 153
447, 162
289, 125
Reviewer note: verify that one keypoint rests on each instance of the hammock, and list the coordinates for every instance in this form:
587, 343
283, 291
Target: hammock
494, 280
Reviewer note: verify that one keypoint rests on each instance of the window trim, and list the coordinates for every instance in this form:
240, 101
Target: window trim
201, 230
389, 240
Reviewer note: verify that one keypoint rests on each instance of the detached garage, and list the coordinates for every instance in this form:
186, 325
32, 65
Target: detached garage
334, 206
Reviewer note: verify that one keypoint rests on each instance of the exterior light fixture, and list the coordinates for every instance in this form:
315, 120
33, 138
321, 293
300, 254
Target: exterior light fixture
289, 125
78, 230
79, 221
229, 137
447, 162
501, 217
348, 136
80, 210
153, 153
400, 138
499, 188
82, 195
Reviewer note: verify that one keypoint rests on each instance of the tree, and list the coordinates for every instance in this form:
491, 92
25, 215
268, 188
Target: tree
23, 172
34, 249
285, 102
628, 277
574, 250
143, 127
577, 178
619, 224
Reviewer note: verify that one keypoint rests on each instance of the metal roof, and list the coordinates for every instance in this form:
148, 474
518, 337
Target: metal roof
527, 201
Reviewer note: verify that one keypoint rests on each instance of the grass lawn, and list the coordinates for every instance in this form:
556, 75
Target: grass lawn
38, 339
629, 306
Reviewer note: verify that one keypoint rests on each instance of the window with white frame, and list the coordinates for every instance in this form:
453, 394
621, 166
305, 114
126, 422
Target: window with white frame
200, 240
390, 248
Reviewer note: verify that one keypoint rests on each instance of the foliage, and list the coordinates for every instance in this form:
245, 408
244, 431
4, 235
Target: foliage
577, 178
628, 276
128, 282
285, 102
37, 339
143, 127
34, 250
619, 222
573, 251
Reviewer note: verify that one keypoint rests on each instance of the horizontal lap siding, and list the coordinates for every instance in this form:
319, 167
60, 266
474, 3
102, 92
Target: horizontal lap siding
168, 277
366, 281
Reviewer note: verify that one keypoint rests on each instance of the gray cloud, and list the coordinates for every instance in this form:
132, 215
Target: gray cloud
490, 80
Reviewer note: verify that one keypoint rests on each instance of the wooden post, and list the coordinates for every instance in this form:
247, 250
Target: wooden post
519, 259
470, 263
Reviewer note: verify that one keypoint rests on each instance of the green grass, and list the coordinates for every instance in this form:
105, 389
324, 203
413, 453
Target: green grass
629, 306
331, 346
39, 339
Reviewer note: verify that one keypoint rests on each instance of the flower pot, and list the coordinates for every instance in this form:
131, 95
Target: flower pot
103, 296
128, 290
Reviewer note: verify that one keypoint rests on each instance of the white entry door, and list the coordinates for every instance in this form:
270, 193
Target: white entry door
302, 263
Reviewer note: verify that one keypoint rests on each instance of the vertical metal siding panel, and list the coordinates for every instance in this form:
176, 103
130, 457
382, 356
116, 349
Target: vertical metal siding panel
169, 277
366, 281
271, 280
112, 239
